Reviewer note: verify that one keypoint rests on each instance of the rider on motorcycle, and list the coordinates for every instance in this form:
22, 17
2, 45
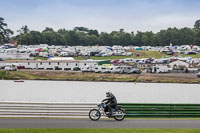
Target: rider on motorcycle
111, 103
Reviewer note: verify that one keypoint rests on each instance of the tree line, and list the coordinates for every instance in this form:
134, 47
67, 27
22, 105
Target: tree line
82, 36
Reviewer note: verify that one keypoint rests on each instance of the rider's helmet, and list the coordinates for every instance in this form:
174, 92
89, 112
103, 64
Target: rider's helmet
108, 94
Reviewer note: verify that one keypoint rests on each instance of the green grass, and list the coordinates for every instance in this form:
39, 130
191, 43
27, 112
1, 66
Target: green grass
99, 130
2, 74
141, 53
40, 58
136, 55
103, 58
5, 75
193, 56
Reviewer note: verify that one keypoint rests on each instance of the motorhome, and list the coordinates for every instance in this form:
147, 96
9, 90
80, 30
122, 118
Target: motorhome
116, 69
64, 54
160, 69
99, 69
103, 69
88, 68
125, 69
10, 67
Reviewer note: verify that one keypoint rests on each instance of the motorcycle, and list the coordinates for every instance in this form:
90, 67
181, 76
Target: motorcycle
118, 113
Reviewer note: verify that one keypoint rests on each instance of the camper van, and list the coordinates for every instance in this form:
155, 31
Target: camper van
10, 67
160, 69
116, 69
87, 69
103, 69
125, 69
99, 69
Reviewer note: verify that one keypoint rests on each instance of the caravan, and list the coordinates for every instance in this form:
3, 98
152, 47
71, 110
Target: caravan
160, 69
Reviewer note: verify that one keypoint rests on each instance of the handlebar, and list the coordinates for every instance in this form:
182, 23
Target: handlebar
102, 104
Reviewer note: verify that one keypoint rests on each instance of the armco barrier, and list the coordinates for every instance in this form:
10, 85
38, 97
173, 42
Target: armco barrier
161, 110
81, 110
61, 110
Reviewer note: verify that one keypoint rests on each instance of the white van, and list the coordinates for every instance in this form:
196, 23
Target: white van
10, 67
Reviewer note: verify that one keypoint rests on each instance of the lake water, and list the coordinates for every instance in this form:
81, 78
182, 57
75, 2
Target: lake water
76, 91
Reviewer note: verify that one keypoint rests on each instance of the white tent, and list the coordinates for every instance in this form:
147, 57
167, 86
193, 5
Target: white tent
178, 64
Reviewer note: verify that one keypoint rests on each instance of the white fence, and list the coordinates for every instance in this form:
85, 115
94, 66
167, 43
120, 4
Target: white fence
56, 110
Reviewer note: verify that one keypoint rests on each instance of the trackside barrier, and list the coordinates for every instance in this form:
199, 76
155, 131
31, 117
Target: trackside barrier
81, 110
60, 110
162, 110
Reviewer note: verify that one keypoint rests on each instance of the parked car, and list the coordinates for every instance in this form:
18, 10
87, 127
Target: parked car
192, 52
20, 67
198, 75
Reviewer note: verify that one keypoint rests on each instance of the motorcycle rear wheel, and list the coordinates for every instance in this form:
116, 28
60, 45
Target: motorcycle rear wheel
120, 115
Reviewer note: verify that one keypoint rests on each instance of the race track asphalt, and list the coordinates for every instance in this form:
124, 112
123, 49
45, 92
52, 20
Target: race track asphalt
102, 123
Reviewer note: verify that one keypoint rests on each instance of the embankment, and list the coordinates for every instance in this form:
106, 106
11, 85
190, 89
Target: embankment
79, 76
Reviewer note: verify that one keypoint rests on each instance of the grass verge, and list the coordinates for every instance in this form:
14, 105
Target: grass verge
99, 130
79, 76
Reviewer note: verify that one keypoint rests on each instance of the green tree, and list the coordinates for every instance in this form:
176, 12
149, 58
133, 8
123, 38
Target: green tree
154, 41
197, 32
49, 37
85, 36
4, 31
197, 25
47, 29
126, 39
116, 40
105, 39
147, 38
23, 30
83, 39
138, 38
93, 32
73, 38
186, 36
83, 29
93, 40
197, 37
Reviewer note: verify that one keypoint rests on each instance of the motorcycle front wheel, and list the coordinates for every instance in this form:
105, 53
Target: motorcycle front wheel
94, 114
119, 115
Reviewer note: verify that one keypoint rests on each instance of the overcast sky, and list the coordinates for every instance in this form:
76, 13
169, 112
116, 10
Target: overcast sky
103, 15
